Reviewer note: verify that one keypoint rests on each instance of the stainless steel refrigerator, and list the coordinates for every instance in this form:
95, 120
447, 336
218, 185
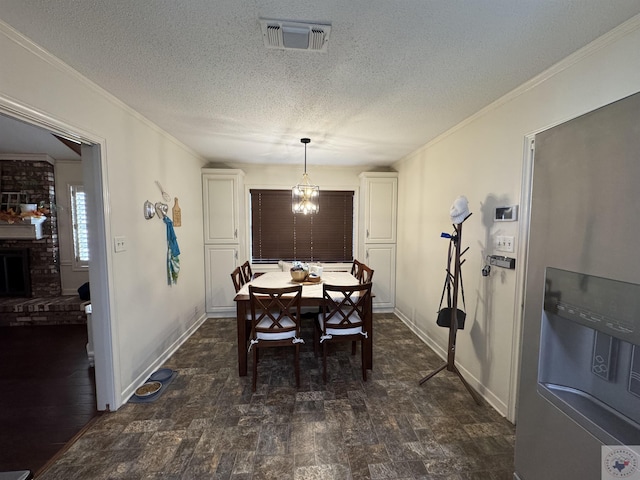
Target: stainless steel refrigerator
580, 366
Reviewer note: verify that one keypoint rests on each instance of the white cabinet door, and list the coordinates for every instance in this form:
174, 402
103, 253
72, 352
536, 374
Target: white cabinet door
380, 205
382, 259
221, 207
219, 291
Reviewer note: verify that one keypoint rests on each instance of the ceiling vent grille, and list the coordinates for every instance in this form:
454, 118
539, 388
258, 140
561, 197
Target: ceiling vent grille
284, 35
274, 36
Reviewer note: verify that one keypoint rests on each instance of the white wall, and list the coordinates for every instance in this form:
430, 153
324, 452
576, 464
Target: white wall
148, 318
483, 159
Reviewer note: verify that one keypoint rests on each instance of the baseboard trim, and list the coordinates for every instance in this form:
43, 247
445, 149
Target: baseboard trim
126, 394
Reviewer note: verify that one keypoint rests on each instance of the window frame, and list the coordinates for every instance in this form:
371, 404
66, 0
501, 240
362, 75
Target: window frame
286, 194
78, 233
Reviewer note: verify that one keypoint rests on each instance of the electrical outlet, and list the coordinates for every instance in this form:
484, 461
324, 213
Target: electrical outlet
119, 244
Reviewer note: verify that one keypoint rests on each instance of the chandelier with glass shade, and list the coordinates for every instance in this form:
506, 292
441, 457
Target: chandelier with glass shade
305, 196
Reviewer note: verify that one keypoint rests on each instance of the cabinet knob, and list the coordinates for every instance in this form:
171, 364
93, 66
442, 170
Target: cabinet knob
367, 233
236, 254
235, 233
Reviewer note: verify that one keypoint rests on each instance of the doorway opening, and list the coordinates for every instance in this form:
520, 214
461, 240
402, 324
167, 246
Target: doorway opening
96, 390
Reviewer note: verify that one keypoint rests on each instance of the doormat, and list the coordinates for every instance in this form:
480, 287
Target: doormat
165, 376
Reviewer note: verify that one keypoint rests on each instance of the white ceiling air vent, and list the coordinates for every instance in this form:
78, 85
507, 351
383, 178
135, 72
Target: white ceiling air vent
285, 35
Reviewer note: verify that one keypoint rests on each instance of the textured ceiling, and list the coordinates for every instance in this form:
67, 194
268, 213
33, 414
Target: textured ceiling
395, 75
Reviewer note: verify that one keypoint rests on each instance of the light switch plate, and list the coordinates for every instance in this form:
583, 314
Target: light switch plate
508, 243
504, 243
119, 244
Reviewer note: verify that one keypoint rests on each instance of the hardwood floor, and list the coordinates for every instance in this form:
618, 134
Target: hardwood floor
47, 392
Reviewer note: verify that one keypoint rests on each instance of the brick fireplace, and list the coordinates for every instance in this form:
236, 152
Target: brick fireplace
44, 304
37, 180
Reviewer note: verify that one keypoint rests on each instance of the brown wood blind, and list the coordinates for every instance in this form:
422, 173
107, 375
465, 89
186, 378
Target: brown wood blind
278, 234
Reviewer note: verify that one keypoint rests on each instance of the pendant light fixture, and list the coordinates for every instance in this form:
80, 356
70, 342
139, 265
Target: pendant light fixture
305, 196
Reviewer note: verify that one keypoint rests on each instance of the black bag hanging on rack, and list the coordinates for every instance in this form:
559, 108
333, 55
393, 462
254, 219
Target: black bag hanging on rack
445, 314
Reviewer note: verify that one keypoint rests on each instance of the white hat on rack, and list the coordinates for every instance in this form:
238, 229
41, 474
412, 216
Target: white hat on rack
459, 210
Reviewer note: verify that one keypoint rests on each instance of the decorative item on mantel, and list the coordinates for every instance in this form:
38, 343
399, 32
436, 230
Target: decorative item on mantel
27, 224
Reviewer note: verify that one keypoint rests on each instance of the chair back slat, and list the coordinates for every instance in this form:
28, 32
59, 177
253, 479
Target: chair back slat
237, 278
355, 268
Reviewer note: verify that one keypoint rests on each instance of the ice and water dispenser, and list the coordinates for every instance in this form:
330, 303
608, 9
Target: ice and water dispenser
589, 364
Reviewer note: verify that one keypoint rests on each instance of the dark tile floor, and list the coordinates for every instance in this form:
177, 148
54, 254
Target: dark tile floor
208, 424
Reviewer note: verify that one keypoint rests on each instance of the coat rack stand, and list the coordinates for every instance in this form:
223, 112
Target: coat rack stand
450, 365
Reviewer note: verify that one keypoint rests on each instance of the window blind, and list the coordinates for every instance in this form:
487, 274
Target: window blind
79, 220
278, 234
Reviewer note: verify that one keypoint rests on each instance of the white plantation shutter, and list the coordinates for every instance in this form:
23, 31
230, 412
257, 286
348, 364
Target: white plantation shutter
79, 219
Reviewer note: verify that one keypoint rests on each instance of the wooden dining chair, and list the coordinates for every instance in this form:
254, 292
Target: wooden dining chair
275, 322
365, 275
343, 319
237, 278
238, 283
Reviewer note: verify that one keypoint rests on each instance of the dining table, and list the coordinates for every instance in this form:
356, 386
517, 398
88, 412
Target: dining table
312, 296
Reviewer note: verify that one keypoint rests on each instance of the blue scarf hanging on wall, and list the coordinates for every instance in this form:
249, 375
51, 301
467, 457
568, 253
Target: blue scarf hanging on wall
173, 253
